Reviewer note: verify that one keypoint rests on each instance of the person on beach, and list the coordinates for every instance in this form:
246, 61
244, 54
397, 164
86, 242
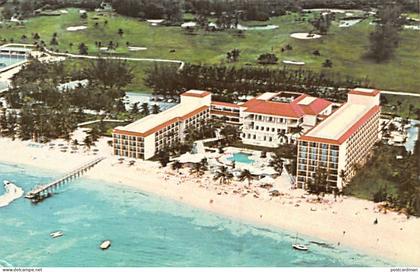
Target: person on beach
376, 221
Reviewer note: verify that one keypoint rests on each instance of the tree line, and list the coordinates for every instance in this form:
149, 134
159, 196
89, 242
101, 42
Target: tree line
391, 180
228, 83
385, 38
40, 109
172, 10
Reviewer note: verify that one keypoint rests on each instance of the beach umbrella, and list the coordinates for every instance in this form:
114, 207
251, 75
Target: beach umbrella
269, 171
266, 180
255, 171
190, 158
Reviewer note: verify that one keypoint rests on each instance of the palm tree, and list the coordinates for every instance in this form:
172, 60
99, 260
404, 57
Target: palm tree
83, 49
223, 175
231, 133
191, 134
246, 175
198, 169
155, 109
176, 165
277, 163
281, 135
319, 183
145, 109
88, 142
343, 177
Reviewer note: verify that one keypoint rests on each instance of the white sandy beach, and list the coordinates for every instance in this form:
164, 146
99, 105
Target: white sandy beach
348, 221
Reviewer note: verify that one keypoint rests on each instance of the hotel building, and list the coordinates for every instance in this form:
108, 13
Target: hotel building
144, 138
272, 119
226, 112
268, 120
342, 141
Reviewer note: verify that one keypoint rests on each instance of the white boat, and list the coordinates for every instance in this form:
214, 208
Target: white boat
105, 245
56, 234
300, 247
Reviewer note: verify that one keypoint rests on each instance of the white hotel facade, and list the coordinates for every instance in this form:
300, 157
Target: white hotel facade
342, 142
146, 137
336, 140
267, 120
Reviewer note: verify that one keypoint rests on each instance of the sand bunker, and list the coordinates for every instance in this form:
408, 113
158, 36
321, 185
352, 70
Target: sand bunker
155, 22
292, 62
413, 27
189, 24
76, 28
305, 36
349, 23
135, 48
12, 193
263, 27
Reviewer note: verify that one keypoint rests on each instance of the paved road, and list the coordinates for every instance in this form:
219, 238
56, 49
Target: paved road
401, 93
180, 62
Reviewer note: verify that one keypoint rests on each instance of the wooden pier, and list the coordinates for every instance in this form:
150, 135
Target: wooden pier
44, 191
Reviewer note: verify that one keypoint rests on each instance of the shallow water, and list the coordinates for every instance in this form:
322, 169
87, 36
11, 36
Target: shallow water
145, 231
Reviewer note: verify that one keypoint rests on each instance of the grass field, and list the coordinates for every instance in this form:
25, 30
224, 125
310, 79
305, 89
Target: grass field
344, 46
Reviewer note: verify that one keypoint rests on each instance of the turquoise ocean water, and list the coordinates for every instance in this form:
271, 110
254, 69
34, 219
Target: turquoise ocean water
145, 231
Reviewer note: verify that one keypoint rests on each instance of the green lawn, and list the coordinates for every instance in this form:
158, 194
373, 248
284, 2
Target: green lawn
139, 70
344, 46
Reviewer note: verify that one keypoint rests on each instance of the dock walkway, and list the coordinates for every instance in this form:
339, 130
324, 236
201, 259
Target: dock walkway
45, 190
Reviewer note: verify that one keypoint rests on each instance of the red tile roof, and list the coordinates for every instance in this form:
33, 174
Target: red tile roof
273, 108
316, 107
293, 109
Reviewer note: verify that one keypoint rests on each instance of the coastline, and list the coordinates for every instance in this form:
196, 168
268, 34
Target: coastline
394, 237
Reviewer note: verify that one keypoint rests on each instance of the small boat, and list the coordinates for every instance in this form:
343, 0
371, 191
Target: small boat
56, 234
300, 247
105, 245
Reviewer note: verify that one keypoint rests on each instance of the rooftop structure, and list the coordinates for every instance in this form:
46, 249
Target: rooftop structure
273, 118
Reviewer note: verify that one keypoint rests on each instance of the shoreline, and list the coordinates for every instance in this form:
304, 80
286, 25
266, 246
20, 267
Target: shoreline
349, 221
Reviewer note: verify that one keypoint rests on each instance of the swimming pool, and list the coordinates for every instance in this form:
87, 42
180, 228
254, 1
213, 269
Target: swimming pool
8, 60
241, 157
